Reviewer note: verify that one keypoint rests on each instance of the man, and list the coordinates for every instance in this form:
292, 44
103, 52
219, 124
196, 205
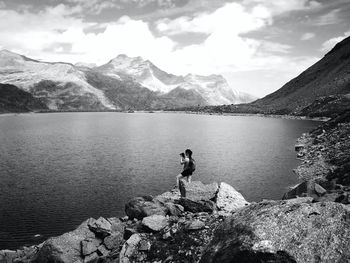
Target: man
189, 167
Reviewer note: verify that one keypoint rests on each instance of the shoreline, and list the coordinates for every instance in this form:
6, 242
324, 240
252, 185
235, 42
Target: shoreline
288, 117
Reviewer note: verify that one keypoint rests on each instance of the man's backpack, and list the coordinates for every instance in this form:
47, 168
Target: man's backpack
192, 165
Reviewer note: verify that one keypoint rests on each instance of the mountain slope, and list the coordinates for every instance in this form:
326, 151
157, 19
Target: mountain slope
329, 76
13, 99
57, 83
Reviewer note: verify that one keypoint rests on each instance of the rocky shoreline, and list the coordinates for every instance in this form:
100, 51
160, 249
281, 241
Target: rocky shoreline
214, 223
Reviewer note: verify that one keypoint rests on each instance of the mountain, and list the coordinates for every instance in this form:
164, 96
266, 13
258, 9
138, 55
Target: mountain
214, 89
13, 99
328, 77
61, 85
123, 83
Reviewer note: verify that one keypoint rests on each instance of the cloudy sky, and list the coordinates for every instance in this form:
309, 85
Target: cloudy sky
258, 45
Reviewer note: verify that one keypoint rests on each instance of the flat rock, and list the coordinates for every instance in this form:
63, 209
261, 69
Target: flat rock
228, 199
196, 190
282, 231
140, 207
116, 225
155, 222
92, 258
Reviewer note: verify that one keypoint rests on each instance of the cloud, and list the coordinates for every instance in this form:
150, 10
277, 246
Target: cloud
59, 34
330, 18
93, 6
330, 43
307, 36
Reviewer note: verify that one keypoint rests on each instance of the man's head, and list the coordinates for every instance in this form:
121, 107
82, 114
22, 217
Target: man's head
188, 153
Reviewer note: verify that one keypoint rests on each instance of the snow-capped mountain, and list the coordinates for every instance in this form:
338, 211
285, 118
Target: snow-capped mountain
143, 71
214, 88
67, 83
123, 83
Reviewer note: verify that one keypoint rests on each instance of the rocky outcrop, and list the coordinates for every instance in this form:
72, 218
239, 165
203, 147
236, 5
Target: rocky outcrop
280, 231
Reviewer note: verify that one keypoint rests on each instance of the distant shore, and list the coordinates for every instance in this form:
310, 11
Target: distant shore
290, 117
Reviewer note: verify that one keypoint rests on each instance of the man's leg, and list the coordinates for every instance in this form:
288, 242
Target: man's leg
178, 178
189, 178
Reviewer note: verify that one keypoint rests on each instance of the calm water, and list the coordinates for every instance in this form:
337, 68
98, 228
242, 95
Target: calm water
56, 170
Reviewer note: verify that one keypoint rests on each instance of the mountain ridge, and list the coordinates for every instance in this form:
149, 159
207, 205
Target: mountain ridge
119, 85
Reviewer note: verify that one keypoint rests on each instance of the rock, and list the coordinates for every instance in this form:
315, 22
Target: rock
194, 225
155, 222
7, 256
116, 225
299, 147
101, 227
196, 190
102, 251
129, 249
113, 241
174, 209
279, 231
307, 188
89, 246
320, 190
228, 199
92, 258
170, 196
197, 206
65, 248
144, 245
141, 207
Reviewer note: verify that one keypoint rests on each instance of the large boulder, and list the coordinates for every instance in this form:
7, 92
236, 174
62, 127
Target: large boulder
67, 247
228, 199
196, 190
140, 207
283, 231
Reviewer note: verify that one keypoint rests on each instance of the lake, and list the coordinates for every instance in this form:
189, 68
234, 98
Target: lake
58, 169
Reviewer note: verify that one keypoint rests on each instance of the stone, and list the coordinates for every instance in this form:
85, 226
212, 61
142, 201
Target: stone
7, 255
282, 231
129, 249
102, 251
228, 199
155, 222
65, 248
197, 206
113, 241
144, 245
196, 190
101, 227
116, 225
92, 258
174, 209
170, 196
89, 246
320, 190
299, 147
140, 207
194, 225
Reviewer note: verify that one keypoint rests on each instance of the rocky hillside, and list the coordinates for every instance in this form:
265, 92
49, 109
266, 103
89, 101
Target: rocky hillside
329, 76
13, 99
122, 84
